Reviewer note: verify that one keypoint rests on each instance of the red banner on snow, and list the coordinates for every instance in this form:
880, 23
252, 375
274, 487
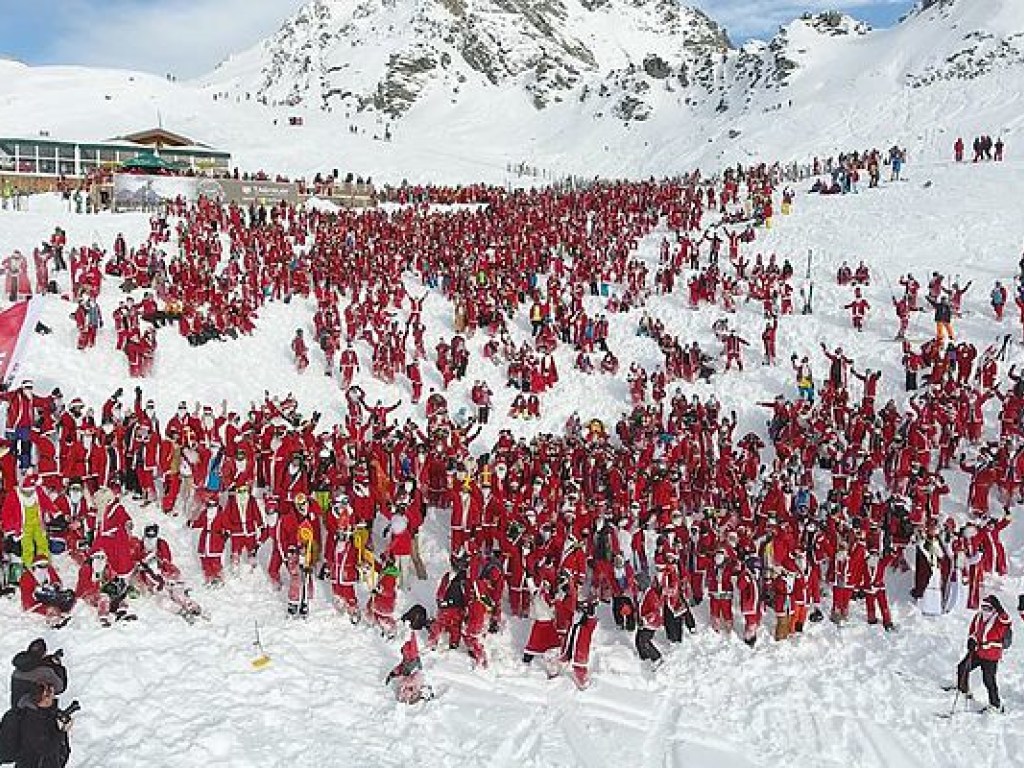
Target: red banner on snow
16, 324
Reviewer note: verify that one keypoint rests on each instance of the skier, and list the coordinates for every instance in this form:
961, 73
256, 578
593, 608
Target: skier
989, 635
943, 317
734, 344
301, 562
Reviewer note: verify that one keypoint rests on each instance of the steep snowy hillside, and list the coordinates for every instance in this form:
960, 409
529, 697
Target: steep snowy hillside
458, 91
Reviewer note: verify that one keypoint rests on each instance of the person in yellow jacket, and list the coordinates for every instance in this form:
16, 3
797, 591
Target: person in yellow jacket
24, 517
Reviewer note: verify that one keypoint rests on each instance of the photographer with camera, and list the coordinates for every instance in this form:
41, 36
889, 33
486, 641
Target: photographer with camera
34, 666
35, 733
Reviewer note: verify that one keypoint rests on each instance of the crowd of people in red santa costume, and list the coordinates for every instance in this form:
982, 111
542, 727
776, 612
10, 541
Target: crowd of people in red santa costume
654, 511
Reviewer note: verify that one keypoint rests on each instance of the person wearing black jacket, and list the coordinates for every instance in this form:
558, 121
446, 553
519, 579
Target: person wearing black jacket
35, 666
43, 730
943, 317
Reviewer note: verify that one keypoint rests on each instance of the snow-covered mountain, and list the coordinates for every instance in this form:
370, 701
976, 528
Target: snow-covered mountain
387, 55
461, 89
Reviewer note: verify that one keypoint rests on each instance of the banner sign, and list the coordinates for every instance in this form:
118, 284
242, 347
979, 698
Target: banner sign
249, 192
142, 191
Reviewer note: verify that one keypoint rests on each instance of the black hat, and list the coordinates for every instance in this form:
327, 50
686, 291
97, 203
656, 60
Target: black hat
416, 616
993, 602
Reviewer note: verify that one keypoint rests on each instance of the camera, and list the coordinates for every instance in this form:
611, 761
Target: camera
71, 709
64, 715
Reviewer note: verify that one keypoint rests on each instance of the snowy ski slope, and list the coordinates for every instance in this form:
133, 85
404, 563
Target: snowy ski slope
159, 692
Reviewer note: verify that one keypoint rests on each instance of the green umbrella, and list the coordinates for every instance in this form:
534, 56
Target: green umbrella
149, 161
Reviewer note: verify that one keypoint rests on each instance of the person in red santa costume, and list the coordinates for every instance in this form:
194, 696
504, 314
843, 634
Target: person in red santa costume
408, 673
282, 528
344, 568
212, 541
477, 612
301, 351
576, 646
243, 523
42, 592
101, 588
543, 634
157, 573
453, 596
873, 587
383, 599
112, 532
718, 585
749, 584
987, 638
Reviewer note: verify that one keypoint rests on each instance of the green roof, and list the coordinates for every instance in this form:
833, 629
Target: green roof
150, 161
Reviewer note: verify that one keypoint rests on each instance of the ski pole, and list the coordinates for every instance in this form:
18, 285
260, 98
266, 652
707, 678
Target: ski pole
961, 674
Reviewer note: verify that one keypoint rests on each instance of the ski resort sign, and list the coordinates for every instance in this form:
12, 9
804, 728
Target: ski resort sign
248, 192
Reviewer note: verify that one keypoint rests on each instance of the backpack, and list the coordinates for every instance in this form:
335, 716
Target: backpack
10, 736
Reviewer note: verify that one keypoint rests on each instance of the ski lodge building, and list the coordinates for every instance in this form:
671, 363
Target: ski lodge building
36, 164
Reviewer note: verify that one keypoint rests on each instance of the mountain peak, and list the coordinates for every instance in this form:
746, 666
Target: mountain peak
387, 56
834, 23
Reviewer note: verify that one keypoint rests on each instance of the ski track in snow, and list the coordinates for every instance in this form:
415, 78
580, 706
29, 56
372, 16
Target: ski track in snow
160, 692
